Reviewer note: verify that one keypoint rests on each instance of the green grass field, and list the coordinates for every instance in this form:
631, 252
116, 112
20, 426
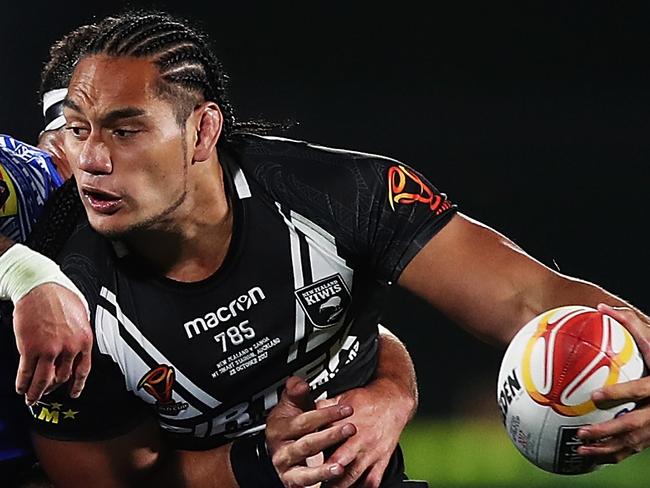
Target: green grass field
479, 454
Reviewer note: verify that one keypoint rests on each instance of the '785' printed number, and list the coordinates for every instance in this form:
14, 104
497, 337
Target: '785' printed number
235, 335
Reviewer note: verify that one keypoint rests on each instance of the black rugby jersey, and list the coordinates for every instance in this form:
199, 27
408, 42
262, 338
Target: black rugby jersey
318, 236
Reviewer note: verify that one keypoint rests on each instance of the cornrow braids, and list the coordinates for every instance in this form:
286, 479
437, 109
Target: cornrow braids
64, 54
189, 70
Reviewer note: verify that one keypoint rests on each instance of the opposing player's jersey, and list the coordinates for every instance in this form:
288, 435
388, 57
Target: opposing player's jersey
27, 178
318, 236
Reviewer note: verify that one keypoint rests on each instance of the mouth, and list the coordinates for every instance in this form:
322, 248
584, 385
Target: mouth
101, 201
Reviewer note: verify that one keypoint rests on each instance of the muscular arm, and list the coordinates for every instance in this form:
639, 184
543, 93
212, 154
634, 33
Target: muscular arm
486, 283
53, 335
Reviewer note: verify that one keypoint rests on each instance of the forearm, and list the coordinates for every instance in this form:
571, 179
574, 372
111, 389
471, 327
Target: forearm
395, 370
559, 290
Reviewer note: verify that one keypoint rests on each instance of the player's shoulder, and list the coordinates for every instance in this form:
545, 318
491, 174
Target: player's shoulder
287, 166
257, 150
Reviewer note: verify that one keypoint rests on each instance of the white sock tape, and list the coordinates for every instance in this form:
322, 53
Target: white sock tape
22, 270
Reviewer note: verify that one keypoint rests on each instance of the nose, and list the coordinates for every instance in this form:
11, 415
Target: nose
95, 157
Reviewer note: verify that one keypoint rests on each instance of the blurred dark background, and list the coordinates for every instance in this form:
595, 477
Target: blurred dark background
533, 118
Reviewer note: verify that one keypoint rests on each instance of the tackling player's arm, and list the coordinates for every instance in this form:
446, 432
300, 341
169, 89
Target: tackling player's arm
364, 424
501, 288
51, 326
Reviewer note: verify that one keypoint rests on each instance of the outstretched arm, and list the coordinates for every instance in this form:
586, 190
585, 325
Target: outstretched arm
486, 283
50, 318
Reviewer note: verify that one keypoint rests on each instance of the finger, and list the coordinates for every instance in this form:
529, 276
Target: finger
351, 474
311, 421
632, 322
633, 420
304, 476
310, 445
81, 370
628, 391
63, 368
346, 453
26, 368
298, 393
43, 378
604, 449
607, 453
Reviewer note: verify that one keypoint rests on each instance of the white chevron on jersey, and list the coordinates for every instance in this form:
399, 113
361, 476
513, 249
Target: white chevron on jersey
323, 264
241, 185
133, 367
298, 282
156, 355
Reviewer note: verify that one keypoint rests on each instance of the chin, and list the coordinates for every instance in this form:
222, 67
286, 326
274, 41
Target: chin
109, 226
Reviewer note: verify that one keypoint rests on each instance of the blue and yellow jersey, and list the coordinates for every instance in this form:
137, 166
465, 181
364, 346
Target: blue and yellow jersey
27, 179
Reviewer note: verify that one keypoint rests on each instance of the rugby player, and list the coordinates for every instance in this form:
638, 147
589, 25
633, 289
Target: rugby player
181, 211
55, 77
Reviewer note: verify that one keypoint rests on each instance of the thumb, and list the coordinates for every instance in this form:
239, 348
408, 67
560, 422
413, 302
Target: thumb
295, 397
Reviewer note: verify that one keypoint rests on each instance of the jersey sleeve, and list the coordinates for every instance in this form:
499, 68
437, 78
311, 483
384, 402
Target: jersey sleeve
105, 408
380, 211
27, 178
405, 212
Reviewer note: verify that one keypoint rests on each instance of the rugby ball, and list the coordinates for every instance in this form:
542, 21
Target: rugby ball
547, 375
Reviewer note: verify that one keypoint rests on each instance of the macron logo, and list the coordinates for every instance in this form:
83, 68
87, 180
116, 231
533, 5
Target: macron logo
223, 314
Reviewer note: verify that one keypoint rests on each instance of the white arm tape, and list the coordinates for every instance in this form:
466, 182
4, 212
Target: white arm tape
22, 270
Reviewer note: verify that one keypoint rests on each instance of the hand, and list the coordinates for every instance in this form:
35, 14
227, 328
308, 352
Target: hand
381, 411
54, 340
619, 438
293, 437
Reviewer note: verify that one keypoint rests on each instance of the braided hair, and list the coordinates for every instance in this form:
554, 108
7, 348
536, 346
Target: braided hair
189, 70
64, 54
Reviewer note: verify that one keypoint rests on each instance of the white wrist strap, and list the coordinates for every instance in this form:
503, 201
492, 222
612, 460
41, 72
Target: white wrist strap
22, 270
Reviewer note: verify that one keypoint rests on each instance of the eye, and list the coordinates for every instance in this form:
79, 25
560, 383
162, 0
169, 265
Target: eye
124, 133
77, 131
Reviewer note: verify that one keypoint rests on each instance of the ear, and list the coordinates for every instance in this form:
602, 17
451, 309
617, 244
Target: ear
207, 127
51, 141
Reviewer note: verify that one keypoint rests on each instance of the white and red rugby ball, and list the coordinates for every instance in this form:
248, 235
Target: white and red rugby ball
546, 378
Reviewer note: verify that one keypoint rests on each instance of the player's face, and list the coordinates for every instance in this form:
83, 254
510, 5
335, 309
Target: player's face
125, 146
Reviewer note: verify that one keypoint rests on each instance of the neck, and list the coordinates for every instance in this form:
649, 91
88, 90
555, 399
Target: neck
192, 244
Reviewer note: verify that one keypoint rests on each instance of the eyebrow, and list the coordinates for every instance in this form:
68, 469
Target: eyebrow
112, 116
